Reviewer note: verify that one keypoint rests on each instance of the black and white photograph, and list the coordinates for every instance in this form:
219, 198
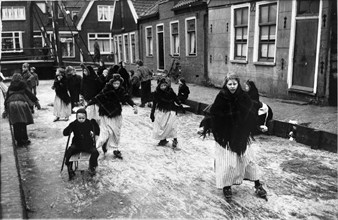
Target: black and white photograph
168, 109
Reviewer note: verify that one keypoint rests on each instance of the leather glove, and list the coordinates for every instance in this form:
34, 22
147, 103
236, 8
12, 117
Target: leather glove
152, 117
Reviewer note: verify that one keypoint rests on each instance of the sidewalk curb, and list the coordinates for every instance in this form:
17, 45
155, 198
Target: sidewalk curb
314, 138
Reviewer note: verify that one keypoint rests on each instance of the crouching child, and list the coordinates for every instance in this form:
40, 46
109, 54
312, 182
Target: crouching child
83, 141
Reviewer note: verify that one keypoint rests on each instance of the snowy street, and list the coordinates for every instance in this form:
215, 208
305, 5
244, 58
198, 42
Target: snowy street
158, 182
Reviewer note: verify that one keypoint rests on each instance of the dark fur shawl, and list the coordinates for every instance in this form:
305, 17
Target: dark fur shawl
109, 101
233, 118
61, 90
165, 100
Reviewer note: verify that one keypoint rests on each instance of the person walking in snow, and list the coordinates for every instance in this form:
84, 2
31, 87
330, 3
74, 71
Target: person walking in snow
163, 113
62, 105
232, 119
110, 108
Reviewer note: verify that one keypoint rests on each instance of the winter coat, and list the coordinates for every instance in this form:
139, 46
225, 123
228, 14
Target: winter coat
74, 84
91, 85
233, 119
61, 89
126, 78
18, 101
144, 73
109, 101
82, 138
183, 92
165, 100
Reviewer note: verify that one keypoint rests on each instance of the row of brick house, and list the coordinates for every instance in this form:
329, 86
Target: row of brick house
287, 47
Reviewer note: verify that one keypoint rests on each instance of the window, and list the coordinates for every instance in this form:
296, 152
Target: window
103, 39
132, 48
241, 33
126, 48
116, 50
149, 41
307, 8
105, 12
174, 40
74, 15
267, 32
13, 13
191, 36
37, 40
67, 45
120, 48
11, 42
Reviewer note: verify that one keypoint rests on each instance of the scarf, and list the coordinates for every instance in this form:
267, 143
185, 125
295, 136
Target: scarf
233, 118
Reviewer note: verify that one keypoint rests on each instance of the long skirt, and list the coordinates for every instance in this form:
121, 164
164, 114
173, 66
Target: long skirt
231, 169
165, 125
110, 130
19, 112
93, 112
61, 109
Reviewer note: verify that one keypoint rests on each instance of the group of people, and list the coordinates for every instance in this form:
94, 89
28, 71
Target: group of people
20, 100
233, 118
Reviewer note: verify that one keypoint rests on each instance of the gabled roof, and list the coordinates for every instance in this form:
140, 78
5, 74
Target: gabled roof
186, 3
143, 6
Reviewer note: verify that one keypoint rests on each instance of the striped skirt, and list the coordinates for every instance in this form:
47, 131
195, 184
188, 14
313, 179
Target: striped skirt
165, 125
231, 169
61, 109
110, 130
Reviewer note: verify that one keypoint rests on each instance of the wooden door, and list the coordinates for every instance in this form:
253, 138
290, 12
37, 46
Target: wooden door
160, 51
305, 52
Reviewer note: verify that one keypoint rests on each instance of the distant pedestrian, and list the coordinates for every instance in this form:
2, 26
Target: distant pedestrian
125, 75
45, 51
97, 54
90, 87
183, 90
35, 80
17, 105
265, 113
83, 141
233, 119
134, 84
3, 88
163, 113
74, 86
110, 109
27, 75
145, 75
62, 105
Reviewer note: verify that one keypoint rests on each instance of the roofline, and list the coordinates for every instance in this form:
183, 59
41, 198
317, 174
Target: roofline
133, 11
83, 17
112, 20
154, 15
194, 4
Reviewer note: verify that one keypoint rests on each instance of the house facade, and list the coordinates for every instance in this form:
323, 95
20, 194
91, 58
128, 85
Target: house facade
288, 48
174, 30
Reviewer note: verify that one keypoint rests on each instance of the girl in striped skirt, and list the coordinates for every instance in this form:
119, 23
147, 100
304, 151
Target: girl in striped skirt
62, 106
232, 118
109, 101
165, 121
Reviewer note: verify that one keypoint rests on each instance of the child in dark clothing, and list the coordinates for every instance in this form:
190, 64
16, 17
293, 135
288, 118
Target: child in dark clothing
83, 140
183, 91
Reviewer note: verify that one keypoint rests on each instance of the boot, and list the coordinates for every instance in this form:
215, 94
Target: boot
260, 191
162, 142
118, 154
71, 172
175, 142
227, 192
104, 148
92, 171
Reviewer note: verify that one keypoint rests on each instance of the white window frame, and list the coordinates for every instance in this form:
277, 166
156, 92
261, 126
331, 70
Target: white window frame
187, 42
132, 53
149, 46
120, 47
110, 38
68, 35
172, 49
11, 13
116, 46
110, 12
257, 31
232, 33
125, 49
13, 38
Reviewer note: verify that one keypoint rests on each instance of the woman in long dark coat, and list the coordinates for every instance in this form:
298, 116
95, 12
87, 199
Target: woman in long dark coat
232, 120
62, 105
18, 100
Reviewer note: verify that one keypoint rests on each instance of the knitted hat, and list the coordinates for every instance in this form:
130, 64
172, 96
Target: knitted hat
81, 110
116, 77
163, 80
